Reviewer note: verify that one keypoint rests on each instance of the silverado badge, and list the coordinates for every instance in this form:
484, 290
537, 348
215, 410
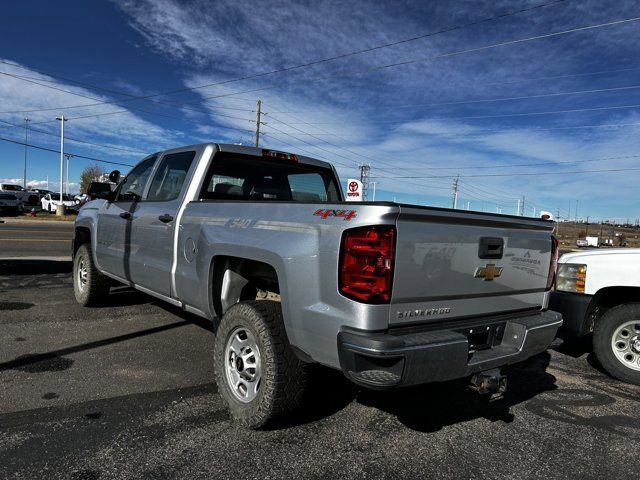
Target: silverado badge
489, 272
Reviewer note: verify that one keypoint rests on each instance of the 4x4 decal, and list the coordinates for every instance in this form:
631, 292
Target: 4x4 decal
346, 214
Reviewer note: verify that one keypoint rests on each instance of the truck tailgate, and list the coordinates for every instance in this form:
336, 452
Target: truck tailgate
453, 264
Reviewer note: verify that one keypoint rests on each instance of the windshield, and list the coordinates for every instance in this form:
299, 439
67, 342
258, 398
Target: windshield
233, 177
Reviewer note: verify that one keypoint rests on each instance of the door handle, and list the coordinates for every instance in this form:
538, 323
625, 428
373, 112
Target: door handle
125, 215
166, 218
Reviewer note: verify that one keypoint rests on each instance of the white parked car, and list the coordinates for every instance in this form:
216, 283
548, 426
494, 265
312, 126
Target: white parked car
51, 201
599, 291
9, 203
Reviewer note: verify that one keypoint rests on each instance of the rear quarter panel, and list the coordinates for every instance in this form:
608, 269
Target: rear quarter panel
302, 247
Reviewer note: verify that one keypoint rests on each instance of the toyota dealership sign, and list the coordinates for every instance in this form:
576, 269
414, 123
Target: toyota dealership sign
354, 190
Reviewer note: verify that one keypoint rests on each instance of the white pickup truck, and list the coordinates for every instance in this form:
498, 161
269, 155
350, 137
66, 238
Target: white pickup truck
262, 243
599, 291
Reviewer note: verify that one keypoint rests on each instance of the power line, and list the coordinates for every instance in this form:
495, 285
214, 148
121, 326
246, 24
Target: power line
329, 59
75, 155
426, 59
95, 87
376, 68
377, 160
24, 79
476, 117
422, 184
484, 131
520, 80
503, 99
560, 162
604, 170
111, 147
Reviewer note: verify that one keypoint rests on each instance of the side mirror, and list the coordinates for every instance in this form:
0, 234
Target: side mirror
99, 190
114, 176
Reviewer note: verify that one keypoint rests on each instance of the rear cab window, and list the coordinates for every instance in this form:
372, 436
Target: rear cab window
248, 178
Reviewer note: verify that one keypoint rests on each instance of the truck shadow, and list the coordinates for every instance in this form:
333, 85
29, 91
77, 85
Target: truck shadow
327, 393
577, 347
429, 408
425, 408
123, 296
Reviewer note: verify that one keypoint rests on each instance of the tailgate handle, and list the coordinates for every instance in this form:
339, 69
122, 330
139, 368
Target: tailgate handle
491, 247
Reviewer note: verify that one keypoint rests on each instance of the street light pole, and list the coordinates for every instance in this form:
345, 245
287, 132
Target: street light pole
374, 190
62, 120
68, 157
26, 140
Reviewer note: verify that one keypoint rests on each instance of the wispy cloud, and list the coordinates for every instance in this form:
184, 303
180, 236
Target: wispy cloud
349, 112
121, 130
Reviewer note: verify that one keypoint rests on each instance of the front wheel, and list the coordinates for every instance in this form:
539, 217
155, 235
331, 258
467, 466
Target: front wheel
89, 285
258, 375
616, 342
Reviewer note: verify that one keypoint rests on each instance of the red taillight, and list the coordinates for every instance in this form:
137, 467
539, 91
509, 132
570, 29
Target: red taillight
366, 264
553, 264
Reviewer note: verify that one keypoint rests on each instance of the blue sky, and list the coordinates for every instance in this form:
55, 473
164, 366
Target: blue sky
550, 107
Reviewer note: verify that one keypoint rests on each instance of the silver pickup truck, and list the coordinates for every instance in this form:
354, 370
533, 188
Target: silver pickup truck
262, 243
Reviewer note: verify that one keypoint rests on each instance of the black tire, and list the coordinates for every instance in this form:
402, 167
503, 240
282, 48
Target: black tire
49, 207
283, 376
603, 333
95, 288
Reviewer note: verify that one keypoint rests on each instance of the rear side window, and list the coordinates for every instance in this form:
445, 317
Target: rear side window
307, 187
169, 179
233, 177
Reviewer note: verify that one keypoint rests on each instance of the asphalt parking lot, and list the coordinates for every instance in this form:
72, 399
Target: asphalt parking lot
126, 391
35, 238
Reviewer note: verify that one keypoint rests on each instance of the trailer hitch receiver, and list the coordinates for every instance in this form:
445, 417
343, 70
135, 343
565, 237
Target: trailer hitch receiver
489, 382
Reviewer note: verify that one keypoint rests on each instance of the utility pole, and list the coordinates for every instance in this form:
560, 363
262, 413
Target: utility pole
26, 141
558, 223
586, 231
518, 207
523, 206
374, 191
468, 205
62, 120
364, 178
258, 115
455, 192
576, 212
534, 212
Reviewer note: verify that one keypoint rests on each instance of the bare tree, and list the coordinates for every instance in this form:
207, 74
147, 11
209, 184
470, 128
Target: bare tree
92, 173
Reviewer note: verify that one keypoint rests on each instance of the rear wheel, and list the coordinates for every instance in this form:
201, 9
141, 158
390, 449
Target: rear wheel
616, 342
258, 375
89, 285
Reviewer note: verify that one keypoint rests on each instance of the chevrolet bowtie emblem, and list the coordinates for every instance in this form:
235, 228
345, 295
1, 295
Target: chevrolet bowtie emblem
488, 273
